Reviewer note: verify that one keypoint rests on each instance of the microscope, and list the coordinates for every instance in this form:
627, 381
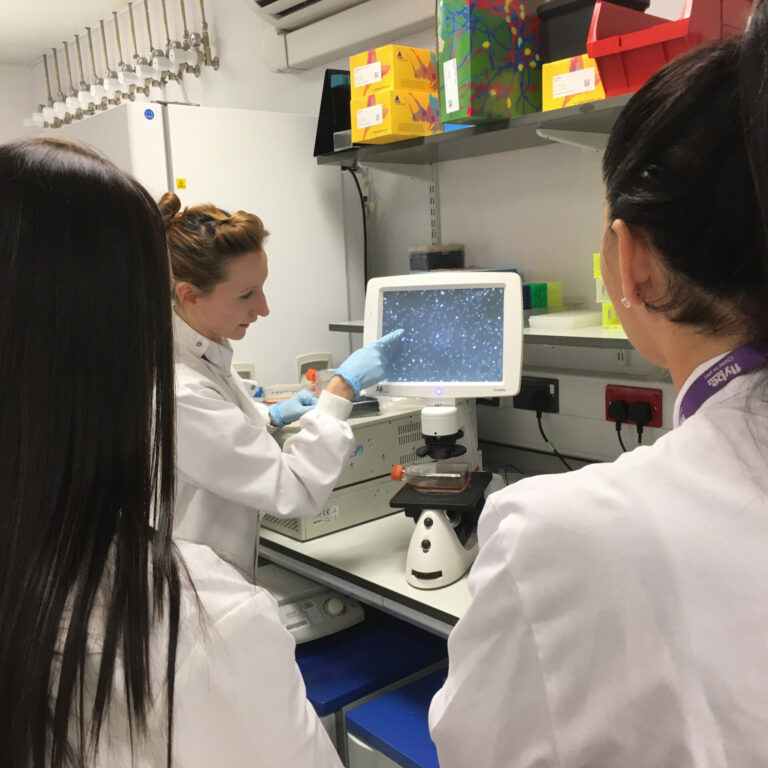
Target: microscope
444, 498
462, 338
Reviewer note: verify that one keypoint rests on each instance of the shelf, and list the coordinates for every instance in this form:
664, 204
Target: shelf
595, 118
347, 326
597, 336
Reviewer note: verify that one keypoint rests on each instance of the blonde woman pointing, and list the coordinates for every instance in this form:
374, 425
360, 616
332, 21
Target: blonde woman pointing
231, 469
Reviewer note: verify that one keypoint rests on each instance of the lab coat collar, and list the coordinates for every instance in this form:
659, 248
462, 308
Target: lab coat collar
188, 339
689, 381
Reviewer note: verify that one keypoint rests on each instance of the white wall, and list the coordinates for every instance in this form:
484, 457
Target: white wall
243, 81
18, 97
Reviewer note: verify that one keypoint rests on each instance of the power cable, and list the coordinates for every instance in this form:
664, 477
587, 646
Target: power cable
365, 223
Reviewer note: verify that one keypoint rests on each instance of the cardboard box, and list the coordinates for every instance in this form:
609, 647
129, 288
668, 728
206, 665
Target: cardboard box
489, 60
429, 257
571, 81
554, 295
388, 116
610, 318
596, 266
534, 295
393, 67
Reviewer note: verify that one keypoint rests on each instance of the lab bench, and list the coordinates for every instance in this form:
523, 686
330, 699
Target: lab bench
367, 562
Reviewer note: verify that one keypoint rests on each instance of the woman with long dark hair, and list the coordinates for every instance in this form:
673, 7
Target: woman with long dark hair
116, 648
620, 613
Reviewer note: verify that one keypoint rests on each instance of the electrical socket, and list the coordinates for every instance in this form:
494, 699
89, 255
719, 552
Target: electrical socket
635, 395
538, 394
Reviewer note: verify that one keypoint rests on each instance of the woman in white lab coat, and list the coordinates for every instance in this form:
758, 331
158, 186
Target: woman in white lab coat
231, 469
117, 647
620, 613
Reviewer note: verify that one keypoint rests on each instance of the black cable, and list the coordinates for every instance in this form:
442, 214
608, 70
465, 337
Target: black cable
365, 224
517, 470
618, 411
551, 444
641, 413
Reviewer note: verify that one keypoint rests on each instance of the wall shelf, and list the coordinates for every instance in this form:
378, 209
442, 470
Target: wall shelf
605, 338
580, 122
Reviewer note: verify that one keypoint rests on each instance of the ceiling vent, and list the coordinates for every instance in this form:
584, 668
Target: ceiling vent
289, 15
303, 34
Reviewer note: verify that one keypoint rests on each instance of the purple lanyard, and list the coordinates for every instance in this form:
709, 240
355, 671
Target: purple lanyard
737, 363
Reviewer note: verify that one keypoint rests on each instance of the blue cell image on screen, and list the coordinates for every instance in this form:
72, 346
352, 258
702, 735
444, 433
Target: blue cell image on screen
451, 334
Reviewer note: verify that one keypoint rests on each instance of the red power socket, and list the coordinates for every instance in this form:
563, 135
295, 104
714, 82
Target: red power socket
635, 395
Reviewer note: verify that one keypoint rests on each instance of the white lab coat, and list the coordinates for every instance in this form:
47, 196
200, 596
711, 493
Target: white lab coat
240, 701
620, 613
230, 468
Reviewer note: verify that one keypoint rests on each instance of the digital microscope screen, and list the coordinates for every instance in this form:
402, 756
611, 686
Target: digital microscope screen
451, 334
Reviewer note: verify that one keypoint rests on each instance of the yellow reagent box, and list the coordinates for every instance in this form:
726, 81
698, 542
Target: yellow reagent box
394, 67
610, 318
570, 81
389, 116
596, 272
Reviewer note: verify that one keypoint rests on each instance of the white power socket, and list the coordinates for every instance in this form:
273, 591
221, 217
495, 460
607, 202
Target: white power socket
317, 360
245, 370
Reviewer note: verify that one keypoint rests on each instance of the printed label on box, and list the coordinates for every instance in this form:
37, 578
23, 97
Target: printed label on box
370, 116
370, 73
451, 80
572, 83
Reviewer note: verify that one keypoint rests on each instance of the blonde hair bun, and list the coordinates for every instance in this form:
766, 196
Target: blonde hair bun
239, 233
169, 206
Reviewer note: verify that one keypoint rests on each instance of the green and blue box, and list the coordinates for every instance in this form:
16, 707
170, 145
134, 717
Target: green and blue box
489, 60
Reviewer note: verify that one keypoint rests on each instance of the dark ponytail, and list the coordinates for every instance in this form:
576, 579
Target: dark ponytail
679, 171
753, 70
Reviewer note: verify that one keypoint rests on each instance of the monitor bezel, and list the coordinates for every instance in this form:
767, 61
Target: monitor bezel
451, 390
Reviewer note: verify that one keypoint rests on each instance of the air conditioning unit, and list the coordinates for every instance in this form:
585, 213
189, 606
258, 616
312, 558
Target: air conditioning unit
288, 15
303, 34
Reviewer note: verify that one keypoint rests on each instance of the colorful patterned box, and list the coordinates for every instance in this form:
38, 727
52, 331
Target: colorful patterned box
571, 81
388, 116
489, 59
396, 67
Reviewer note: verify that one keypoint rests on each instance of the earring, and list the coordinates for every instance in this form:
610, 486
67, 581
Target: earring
625, 302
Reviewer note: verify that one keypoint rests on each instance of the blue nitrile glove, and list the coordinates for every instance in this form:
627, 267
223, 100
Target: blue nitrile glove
293, 409
370, 364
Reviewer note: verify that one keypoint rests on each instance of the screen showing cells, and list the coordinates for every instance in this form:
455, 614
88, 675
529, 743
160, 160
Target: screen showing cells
451, 334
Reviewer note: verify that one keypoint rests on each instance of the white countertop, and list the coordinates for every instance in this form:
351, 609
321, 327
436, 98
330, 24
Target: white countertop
367, 561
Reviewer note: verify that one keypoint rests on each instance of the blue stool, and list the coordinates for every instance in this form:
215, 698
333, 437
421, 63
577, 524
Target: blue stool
395, 724
371, 657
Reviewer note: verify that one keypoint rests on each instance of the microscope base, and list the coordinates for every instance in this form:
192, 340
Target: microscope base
436, 557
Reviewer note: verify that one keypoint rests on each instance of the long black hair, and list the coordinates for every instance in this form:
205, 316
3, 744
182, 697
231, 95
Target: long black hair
86, 451
687, 166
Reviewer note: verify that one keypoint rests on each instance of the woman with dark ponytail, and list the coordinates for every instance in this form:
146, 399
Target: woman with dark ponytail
117, 647
620, 612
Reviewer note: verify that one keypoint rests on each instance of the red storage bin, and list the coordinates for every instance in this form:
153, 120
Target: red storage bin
629, 46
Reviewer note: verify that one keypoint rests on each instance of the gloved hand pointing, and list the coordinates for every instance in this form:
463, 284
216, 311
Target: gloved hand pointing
370, 364
290, 410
